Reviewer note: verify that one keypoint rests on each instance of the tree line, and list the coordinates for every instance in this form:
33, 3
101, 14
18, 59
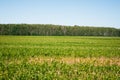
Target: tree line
56, 30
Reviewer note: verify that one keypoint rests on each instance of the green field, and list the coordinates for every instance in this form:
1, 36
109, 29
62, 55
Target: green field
59, 58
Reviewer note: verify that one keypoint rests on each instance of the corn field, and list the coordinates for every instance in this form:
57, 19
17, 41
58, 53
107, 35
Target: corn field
59, 58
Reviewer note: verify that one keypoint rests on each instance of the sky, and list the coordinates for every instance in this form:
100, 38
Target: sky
103, 13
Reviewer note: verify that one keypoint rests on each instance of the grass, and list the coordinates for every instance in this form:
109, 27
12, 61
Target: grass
59, 58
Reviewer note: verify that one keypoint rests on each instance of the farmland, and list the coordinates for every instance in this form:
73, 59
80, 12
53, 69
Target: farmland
59, 58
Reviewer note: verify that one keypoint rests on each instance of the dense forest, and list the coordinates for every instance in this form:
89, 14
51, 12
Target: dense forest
56, 30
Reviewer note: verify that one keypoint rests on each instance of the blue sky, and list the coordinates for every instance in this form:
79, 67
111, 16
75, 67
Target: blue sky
63, 12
